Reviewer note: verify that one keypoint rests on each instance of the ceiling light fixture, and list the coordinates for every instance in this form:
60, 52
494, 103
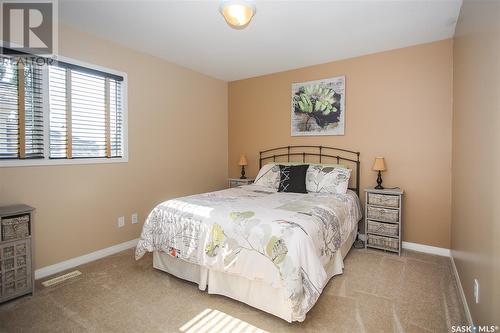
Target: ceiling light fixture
237, 13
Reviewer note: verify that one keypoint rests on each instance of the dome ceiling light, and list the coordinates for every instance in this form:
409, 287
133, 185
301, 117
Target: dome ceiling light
237, 13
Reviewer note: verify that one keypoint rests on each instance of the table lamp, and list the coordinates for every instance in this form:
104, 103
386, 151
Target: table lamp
242, 163
379, 165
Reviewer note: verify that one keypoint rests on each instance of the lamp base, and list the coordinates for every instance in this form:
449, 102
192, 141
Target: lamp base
379, 182
243, 172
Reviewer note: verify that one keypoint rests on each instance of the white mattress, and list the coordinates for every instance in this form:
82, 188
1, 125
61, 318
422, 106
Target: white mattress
256, 293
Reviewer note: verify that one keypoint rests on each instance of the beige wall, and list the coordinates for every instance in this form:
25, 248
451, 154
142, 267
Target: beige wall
476, 157
177, 146
398, 105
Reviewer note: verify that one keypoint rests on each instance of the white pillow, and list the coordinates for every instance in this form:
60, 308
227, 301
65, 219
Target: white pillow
327, 179
269, 176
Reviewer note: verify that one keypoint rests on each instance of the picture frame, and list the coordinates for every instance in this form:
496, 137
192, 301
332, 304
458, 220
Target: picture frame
318, 107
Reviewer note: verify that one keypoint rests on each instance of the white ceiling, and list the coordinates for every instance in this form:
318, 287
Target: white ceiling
283, 34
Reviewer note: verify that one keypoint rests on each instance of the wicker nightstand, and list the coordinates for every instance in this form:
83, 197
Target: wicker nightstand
383, 219
234, 182
16, 259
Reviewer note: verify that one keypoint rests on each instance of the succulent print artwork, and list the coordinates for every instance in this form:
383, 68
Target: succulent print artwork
318, 107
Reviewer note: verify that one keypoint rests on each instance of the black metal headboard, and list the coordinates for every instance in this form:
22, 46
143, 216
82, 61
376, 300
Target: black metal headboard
321, 154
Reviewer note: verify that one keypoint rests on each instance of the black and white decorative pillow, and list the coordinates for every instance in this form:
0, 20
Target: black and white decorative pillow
327, 179
293, 178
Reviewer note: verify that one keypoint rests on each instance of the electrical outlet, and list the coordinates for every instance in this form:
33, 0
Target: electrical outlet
134, 218
476, 290
121, 221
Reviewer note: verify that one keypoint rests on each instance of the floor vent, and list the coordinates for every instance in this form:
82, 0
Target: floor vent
61, 278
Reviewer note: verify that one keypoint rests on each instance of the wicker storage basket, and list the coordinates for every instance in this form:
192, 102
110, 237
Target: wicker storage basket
383, 200
389, 215
389, 229
384, 242
15, 227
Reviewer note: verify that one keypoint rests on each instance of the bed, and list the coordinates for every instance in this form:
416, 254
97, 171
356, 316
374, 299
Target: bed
274, 251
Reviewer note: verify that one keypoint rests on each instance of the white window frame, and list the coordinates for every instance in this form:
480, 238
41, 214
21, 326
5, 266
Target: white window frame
46, 124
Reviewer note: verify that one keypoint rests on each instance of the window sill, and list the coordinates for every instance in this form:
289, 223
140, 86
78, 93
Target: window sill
47, 162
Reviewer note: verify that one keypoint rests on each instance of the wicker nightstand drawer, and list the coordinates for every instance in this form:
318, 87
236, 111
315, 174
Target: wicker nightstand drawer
383, 200
383, 242
383, 214
389, 229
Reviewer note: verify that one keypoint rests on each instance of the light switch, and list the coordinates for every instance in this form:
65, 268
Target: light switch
121, 221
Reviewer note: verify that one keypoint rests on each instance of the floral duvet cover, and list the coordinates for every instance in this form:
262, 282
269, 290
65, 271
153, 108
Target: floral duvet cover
285, 239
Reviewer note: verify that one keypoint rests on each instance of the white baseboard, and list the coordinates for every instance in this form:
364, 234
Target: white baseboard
73, 262
440, 251
461, 291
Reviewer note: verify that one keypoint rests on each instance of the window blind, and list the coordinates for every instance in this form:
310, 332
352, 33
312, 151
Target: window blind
116, 118
21, 109
57, 101
9, 115
80, 107
86, 115
33, 106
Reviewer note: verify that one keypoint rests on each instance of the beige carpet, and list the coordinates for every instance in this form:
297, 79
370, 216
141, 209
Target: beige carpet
378, 292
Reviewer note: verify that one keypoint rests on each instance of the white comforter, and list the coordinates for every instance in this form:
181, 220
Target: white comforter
285, 239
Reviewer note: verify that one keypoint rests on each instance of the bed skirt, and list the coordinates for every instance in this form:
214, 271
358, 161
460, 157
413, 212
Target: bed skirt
255, 293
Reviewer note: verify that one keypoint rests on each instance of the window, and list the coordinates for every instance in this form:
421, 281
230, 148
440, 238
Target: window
60, 112
21, 133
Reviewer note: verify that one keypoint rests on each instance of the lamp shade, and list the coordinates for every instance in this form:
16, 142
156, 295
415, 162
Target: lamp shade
379, 164
243, 160
237, 13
